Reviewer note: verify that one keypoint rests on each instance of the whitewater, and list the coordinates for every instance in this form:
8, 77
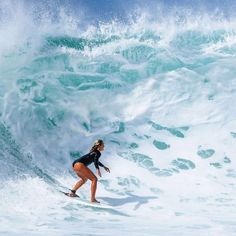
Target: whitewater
159, 91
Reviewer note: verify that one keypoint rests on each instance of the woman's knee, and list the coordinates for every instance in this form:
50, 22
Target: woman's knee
84, 180
94, 179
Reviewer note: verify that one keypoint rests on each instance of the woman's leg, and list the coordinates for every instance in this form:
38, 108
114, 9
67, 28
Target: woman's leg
80, 182
85, 173
90, 175
78, 170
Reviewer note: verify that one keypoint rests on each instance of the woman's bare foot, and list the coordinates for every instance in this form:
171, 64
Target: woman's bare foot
95, 201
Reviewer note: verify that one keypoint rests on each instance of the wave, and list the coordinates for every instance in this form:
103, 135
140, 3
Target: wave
159, 91
165, 71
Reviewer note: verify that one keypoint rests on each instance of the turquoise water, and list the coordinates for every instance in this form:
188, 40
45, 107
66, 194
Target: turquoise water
161, 95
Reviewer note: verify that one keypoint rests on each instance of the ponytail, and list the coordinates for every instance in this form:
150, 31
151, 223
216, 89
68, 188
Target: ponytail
97, 143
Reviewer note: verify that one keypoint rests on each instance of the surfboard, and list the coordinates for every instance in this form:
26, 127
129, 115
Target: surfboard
87, 203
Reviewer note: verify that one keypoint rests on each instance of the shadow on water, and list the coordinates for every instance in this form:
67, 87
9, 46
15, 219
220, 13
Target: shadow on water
139, 200
112, 211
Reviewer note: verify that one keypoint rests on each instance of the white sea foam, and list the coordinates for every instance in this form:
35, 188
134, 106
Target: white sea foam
159, 91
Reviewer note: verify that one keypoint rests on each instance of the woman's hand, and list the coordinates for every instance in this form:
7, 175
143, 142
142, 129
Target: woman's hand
107, 169
99, 173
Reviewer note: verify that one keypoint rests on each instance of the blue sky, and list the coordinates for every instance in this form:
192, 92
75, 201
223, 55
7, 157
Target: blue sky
94, 11
108, 9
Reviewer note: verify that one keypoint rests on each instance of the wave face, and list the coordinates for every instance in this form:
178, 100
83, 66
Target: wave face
159, 91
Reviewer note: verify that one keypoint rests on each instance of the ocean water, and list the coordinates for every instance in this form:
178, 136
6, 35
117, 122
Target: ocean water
159, 91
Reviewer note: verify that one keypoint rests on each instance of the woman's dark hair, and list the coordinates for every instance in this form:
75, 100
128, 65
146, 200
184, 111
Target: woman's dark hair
96, 144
